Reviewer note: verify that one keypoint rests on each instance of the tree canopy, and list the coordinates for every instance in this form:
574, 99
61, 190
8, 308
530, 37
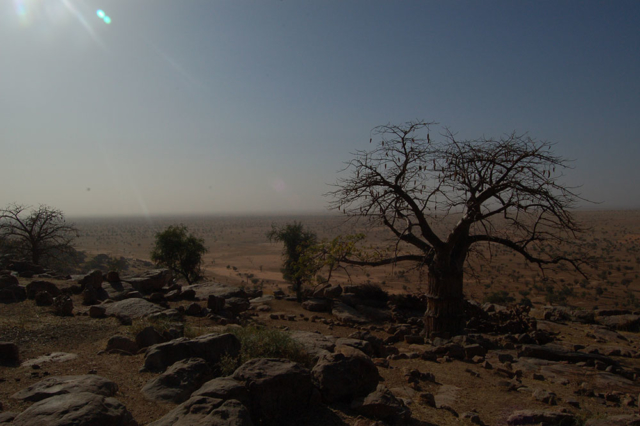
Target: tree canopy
506, 191
180, 251
39, 235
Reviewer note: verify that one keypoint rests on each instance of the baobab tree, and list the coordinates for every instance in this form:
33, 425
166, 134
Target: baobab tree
39, 235
505, 191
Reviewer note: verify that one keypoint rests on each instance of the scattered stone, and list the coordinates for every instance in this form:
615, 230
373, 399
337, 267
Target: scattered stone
60, 385
178, 382
78, 409
347, 314
428, 399
194, 310
13, 294
93, 280
9, 353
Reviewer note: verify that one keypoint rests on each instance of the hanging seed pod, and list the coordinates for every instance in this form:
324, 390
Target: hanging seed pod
370, 139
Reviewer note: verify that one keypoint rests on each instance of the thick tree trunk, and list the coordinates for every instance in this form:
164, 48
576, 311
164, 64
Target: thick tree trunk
445, 303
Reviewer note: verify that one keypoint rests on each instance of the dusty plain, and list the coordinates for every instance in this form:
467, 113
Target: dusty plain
240, 255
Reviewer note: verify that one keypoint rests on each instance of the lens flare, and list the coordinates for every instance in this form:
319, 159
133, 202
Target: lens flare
107, 20
101, 14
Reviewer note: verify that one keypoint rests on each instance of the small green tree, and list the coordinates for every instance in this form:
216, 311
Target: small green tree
180, 251
297, 240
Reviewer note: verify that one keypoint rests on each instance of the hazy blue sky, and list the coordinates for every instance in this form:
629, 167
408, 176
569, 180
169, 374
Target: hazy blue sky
252, 106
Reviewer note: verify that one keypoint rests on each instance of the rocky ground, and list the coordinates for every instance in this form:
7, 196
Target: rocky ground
102, 349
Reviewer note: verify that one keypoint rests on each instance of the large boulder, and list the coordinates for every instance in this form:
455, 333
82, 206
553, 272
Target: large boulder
345, 375
149, 336
210, 347
317, 305
315, 344
205, 411
151, 281
206, 289
77, 409
122, 344
277, 387
61, 385
178, 382
382, 404
626, 322
35, 287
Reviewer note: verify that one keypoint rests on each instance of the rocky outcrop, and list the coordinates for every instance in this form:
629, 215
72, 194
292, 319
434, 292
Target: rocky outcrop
133, 308
211, 348
150, 281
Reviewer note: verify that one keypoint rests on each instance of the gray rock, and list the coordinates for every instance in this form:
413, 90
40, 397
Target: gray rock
545, 396
211, 348
278, 388
44, 298
77, 409
315, 344
205, 411
93, 279
97, 311
60, 385
204, 290
7, 417
12, 294
178, 382
344, 376
224, 388
63, 305
133, 308
237, 305
9, 353
361, 345
556, 353
52, 357
622, 322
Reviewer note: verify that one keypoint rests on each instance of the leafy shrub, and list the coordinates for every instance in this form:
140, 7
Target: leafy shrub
260, 342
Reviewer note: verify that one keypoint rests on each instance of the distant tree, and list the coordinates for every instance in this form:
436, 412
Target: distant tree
39, 235
441, 200
175, 248
297, 240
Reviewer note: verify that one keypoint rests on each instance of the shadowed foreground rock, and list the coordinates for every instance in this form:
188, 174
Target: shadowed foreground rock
62, 385
277, 388
77, 409
205, 411
535, 417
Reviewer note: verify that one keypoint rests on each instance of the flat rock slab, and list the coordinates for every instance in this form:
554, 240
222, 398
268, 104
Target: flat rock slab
205, 411
52, 357
134, 308
61, 385
536, 417
204, 290
622, 322
224, 388
77, 409
117, 290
